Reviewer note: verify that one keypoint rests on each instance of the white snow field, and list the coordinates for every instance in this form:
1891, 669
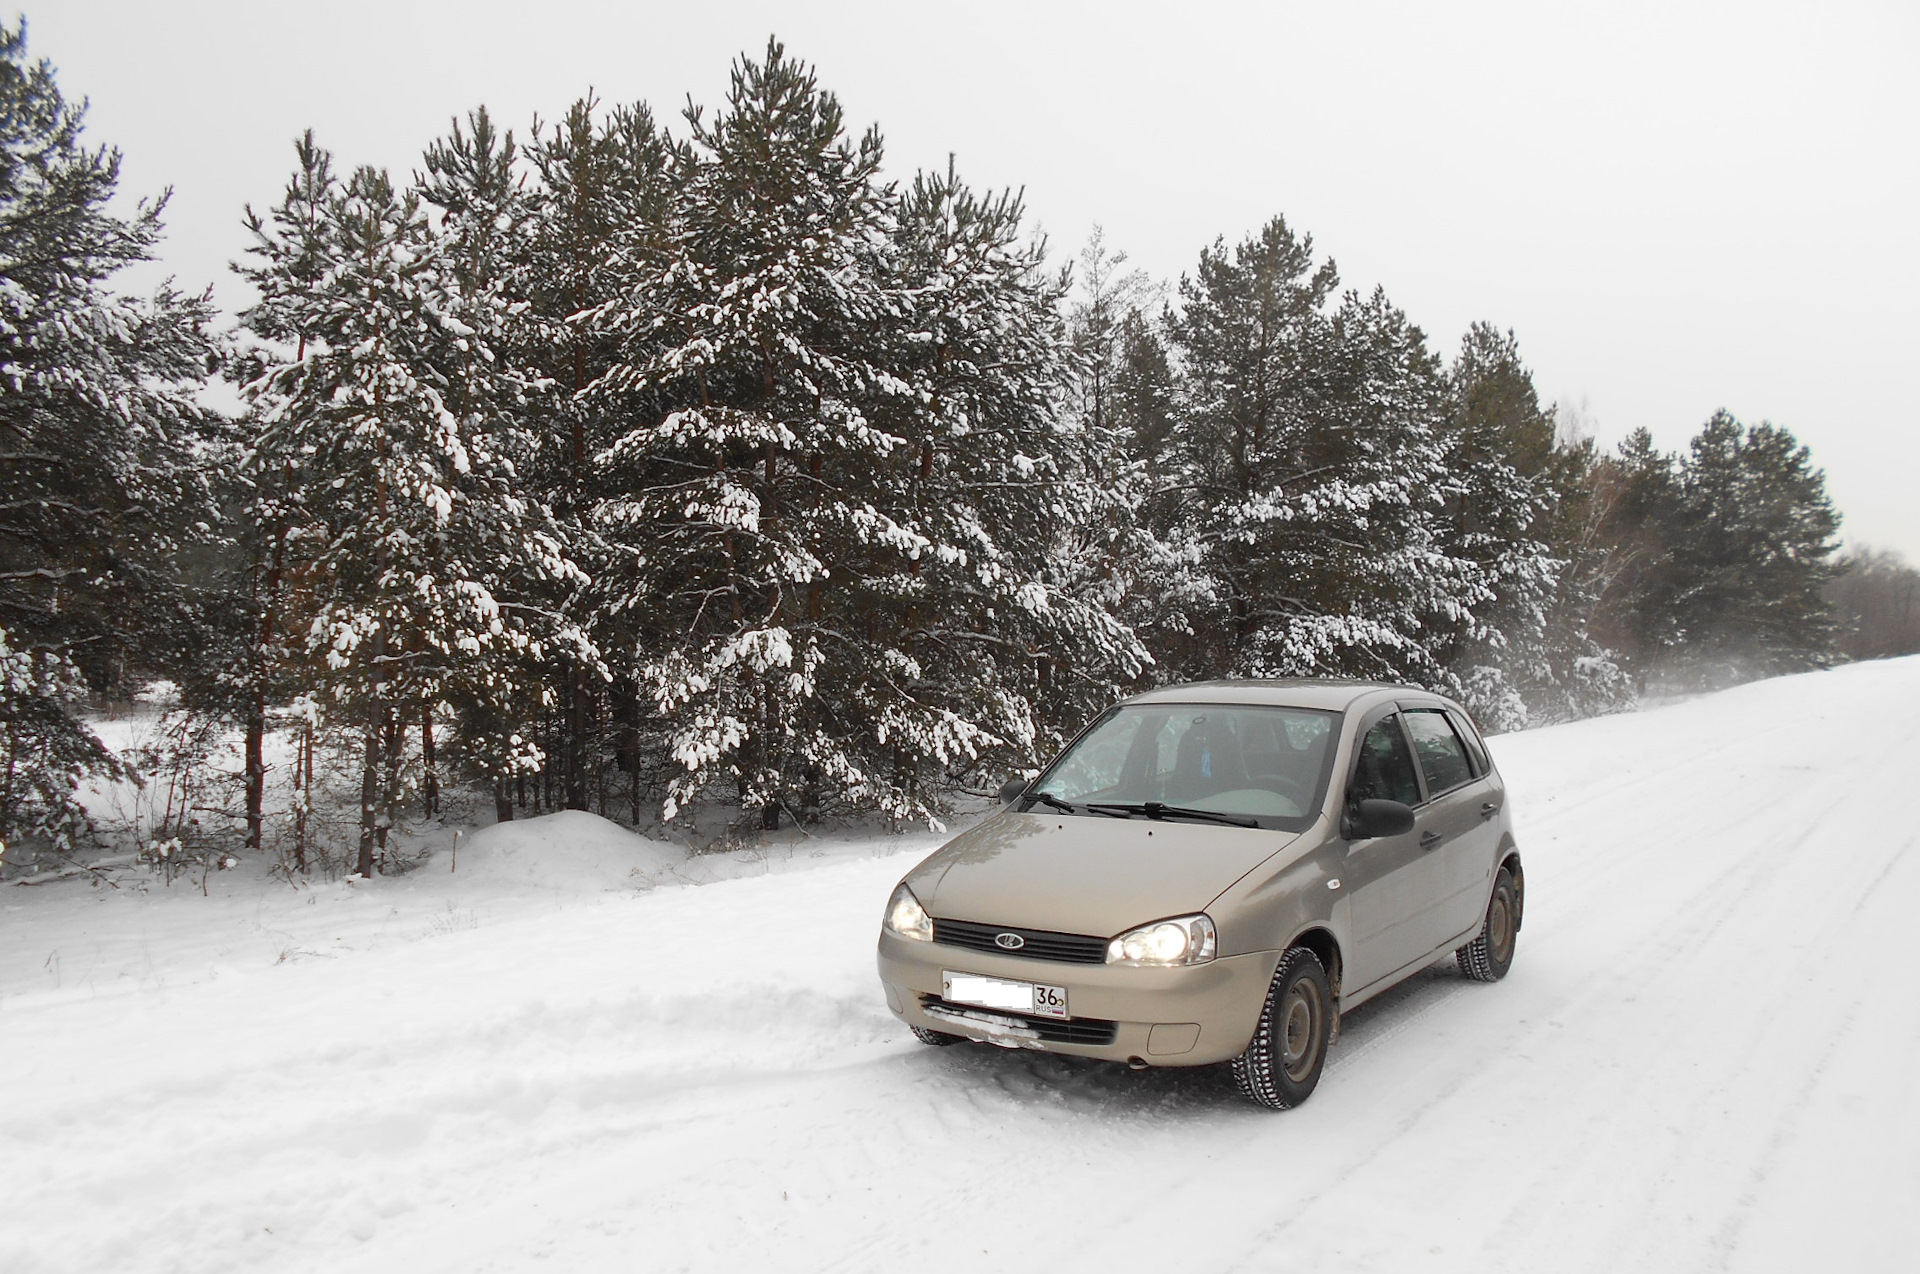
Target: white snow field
1705, 1057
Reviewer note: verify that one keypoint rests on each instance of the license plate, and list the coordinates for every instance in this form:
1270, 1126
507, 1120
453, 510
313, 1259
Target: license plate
998, 993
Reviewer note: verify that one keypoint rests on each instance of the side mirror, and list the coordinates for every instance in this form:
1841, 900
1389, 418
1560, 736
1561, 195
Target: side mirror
1010, 790
1370, 818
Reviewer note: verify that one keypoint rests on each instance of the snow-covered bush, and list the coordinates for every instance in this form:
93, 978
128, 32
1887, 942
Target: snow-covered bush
45, 753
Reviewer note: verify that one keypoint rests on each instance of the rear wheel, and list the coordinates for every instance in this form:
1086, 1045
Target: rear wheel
1488, 957
1282, 1064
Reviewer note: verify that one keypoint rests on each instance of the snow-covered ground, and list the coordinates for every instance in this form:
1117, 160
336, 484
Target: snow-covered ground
582, 1050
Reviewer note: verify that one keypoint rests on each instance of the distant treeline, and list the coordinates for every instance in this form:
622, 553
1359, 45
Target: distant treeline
619, 467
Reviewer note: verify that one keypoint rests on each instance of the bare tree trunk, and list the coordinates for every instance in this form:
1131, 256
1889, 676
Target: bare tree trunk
810, 795
303, 795
369, 795
543, 788
502, 802
6, 792
373, 831
429, 780
579, 719
257, 703
772, 757
390, 791
256, 759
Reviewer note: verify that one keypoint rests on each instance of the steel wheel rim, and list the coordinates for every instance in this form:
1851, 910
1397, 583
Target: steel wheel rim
1500, 927
1301, 1014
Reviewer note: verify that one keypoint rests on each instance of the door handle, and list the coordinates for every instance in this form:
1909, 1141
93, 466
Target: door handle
1489, 808
1429, 839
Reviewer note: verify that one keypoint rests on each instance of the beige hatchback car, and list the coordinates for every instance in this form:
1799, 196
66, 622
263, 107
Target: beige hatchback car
1213, 873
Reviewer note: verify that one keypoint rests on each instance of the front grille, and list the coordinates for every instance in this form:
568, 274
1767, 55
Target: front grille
1052, 1030
1065, 948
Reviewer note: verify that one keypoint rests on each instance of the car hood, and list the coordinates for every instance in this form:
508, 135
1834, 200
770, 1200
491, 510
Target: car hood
1091, 875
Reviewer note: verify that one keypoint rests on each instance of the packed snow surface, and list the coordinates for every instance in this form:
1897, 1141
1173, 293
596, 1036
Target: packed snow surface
576, 1049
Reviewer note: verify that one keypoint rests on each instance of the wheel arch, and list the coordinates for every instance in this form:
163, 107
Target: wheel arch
1510, 859
1320, 940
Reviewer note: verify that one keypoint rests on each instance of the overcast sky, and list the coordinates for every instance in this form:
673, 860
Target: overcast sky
1676, 207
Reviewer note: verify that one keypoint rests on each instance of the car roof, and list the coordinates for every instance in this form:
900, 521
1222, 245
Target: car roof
1291, 692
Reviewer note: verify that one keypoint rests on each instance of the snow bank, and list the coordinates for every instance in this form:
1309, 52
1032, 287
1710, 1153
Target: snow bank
572, 851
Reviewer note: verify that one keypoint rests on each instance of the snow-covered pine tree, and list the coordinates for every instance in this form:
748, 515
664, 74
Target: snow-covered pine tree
1632, 500
513, 547
289, 258
985, 611
1121, 404
103, 450
1247, 332
1155, 581
1145, 388
1576, 675
1752, 548
600, 226
752, 452
1498, 449
1304, 476
1385, 565
1108, 301
409, 506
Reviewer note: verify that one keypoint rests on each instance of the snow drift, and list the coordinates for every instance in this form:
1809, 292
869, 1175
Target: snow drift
568, 850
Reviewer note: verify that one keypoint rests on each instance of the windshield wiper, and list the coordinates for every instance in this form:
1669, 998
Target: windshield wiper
1068, 807
1156, 810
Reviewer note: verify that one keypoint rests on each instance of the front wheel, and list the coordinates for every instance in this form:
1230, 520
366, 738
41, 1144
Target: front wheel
1283, 1062
1488, 957
939, 1039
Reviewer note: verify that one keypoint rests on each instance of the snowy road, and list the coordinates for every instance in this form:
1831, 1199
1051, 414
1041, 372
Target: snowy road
1704, 1059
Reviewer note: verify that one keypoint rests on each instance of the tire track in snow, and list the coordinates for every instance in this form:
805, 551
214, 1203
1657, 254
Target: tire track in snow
1790, 1127
1660, 1159
1725, 894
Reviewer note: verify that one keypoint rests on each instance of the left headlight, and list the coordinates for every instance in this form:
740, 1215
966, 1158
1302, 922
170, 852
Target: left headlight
906, 917
1181, 940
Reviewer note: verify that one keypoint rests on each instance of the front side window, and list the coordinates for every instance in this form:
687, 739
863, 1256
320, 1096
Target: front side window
1267, 764
1384, 769
1476, 750
1442, 756
1097, 760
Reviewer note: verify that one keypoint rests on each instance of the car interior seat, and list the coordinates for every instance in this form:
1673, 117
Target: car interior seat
1207, 762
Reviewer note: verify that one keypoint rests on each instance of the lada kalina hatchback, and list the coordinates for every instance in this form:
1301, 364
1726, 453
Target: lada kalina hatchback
1213, 873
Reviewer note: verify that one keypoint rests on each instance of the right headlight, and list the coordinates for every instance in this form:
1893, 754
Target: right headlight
1181, 940
906, 917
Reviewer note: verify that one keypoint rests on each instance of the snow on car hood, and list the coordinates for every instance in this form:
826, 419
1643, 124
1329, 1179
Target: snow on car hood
1092, 875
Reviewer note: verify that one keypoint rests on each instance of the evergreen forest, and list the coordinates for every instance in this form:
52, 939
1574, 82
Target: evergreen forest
638, 466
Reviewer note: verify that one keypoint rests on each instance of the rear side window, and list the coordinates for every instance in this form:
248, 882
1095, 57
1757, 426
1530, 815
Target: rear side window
1385, 767
1443, 757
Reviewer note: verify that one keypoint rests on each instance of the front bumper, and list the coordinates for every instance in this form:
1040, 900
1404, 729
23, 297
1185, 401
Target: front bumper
1190, 1016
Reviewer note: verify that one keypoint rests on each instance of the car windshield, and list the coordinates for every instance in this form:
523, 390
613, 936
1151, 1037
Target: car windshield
1265, 764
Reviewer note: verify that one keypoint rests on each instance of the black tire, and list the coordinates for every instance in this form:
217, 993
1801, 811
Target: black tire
939, 1039
1488, 957
1282, 1064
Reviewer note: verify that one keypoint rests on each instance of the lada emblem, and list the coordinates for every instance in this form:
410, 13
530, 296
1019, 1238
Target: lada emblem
1009, 941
